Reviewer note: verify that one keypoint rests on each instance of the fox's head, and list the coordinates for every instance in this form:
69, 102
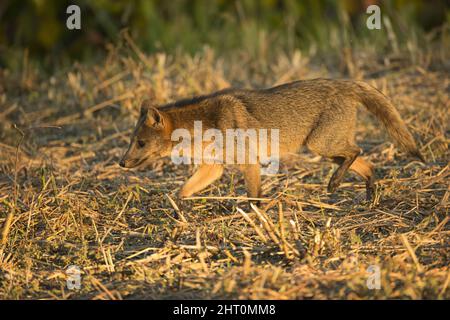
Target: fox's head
150, 138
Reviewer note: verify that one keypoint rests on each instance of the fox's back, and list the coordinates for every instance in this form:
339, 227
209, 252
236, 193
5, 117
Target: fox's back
298, 107
296, 100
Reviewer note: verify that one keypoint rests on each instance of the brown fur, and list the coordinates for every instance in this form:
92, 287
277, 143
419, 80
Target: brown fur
319, 114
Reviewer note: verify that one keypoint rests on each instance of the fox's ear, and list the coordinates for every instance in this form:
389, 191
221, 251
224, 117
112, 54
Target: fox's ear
145, 106
154, 118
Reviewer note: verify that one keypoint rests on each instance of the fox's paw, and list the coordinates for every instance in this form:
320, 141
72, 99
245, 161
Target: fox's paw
254, 202
332, 186
184, 193
370, 193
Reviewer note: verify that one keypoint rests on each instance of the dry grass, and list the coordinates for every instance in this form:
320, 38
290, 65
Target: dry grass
65, 201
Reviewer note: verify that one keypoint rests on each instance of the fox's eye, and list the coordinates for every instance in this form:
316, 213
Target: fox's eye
141, 143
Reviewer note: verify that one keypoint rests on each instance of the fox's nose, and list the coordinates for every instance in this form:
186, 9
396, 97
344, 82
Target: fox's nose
122, 163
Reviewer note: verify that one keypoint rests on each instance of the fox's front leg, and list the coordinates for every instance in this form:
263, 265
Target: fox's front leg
203, 177
252, 176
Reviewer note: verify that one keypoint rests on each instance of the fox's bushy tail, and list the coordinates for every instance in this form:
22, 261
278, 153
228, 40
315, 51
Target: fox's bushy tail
379, 105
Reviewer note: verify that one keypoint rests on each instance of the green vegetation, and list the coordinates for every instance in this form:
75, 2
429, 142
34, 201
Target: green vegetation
257, 27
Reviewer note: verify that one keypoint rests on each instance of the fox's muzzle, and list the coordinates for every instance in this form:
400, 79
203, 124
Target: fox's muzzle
131, 163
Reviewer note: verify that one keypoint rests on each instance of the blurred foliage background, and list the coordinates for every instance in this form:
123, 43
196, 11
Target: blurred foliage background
37, 29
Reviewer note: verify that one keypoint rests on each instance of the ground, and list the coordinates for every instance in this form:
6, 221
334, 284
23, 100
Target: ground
64, 201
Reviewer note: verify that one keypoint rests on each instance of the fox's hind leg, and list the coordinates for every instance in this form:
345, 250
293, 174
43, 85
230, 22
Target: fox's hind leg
345, 160
340, 151
365, 170
333, 138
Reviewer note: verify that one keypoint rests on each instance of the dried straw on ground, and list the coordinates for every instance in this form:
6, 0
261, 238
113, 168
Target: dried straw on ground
65, 201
